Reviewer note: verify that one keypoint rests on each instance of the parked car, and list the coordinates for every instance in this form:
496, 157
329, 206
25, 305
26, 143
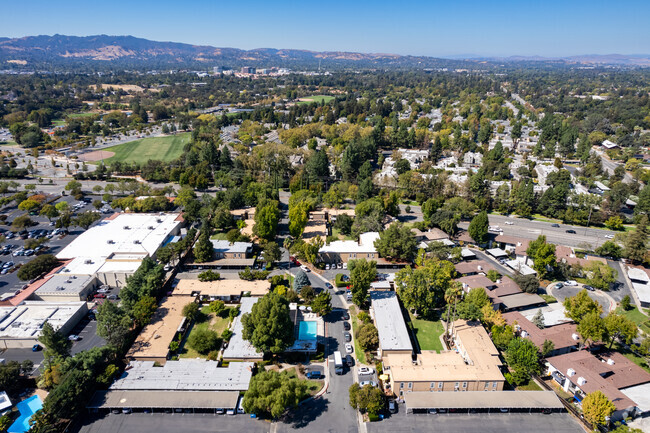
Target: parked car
570, 283
348, 348
313, 375
609, 236
349, 360
103, 290
347, 336
327, 266
112, 297
591, 289
329, 286
345, 265
573, 232
366, 370
367, 382
74, 337
100, 296
555, 225
558, 286
346, 326
392, 406
36, 347
509, 223
346, 315
8, 265
305, 268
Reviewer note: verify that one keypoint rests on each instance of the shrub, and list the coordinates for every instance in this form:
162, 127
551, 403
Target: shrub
191, 311
204, 341
338, 281
209, 276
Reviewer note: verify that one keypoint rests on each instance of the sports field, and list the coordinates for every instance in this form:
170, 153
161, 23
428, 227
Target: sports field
316, 98
158, 148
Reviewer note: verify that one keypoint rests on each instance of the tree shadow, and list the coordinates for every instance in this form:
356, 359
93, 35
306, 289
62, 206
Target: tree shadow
306, 413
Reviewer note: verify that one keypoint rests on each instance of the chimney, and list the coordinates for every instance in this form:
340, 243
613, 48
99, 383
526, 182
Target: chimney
581, 381
610, 361
570, 372
575, 336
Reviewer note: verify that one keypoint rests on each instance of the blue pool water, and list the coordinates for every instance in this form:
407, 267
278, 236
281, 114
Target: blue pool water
27, 408
307, 330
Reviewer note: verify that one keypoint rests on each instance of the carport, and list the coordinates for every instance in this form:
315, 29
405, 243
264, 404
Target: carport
483, 402
166, 401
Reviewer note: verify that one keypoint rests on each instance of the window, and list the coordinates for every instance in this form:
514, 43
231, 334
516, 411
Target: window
401, 385
494, 385
410, 385
464, 384
439, 385
456, 385
433, 384
487, 385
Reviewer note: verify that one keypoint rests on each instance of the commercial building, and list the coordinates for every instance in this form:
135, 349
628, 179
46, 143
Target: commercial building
473, 364
389, 321
239, 349
66, 288
342, 251
223, 290
114, 249
166, 325
21, 325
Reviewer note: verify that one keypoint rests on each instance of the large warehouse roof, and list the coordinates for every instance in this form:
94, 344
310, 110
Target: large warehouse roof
26, 320
483, 400
164, 400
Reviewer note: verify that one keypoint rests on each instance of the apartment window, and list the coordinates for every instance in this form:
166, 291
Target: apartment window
487, 385
464, 384
410, 385
433, 384
456, 385
439, 385
494, 385
401, 385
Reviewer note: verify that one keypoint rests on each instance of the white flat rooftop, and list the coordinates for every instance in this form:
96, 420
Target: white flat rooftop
389, 320
238, 348
62, 284
366, 244
27, 320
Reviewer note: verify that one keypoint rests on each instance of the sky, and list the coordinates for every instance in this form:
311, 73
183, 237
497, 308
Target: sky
431, 28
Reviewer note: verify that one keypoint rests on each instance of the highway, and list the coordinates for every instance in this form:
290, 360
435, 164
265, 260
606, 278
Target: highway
528, 229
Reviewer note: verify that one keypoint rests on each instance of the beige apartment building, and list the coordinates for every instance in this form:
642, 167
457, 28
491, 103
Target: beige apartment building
472, 365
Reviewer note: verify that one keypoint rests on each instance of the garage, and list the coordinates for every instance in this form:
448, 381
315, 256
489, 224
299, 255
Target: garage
161, 402
483, 402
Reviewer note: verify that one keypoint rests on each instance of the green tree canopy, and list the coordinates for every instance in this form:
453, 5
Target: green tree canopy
423, 289
362, 273
268, 326
272, 393
478, 228
580, 305
397, 242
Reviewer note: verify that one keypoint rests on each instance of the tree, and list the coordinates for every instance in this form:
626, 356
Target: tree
37, 266
523, 359
307, 293
217, 307
300, 280
271, 252
191, 311
547, 347
268, 327
580, 305
10, 377
113, 324
362, 273
86, 219
21, 222
203, 250
298, 217
397, 242
600, 275
610, 249
49, 212
493, 275
368, 337
619, 327
626, 303
272, 393
591, 327
636, 242
367, 399
527, 283
73, 185
143, 310
62, 206
322, 304
203, 340
614, 223
209, 275
423, 289
538, 319
28, 205
597, 408
478, 228
266, 220
55, 343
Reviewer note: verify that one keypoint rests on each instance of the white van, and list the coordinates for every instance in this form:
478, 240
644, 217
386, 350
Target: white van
240, 406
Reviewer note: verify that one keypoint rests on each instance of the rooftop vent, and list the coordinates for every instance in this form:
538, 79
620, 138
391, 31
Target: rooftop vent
136, 241
60, 288
575, 336
570, 372
126, 228
480, 268
110, 241
610, 361
581, 381
150, 227
89, 262
524, 334
158, 220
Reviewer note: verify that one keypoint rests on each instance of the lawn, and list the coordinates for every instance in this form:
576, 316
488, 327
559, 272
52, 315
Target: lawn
219, 236
157, 148
428, 333
209, 321
76, 115
317, 98
530, 386
313, 386
633, 314
58, 122
548, 298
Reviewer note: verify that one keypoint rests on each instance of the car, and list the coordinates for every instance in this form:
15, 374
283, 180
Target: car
329, 286
347, 336
570, 283
340, 266
29, 252
4, 271
305, 268
346, 315
573, 232
219, 411
366, 370
327, 266
509, 223
8, 265
345, 265
167, 268
591, 289
36, 347
348, 348
126, 410
74, 337
609, 236
392, 406
349, 360
313, 375
346, 326
230, 412
503, 261
112, 297
556, 225
103, 290
100, 296
558, 286
367, 382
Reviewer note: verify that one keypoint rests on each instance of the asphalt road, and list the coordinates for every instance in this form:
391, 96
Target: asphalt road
484, 423
609, 166
569, 291
528, 229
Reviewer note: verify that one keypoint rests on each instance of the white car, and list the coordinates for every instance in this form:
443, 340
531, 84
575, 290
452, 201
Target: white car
609, 236
305, 268
367, 382
570, 283
103, 290
348, 348
495, 229
509, 223
366, 370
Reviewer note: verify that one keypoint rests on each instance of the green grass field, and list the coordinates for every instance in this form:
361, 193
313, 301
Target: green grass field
428, 334
634, 315
208, 321
58, 122
317, 98
157, 148
72, 116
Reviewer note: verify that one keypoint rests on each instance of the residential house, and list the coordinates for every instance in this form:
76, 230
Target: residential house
565, 337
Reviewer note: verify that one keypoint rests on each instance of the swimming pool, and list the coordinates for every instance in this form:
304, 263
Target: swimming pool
307, 330
27, 408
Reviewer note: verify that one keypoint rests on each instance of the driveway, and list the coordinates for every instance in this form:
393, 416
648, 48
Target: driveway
605, 300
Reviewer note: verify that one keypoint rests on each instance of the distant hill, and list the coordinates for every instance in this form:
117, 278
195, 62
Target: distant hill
61, 50
103, 51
